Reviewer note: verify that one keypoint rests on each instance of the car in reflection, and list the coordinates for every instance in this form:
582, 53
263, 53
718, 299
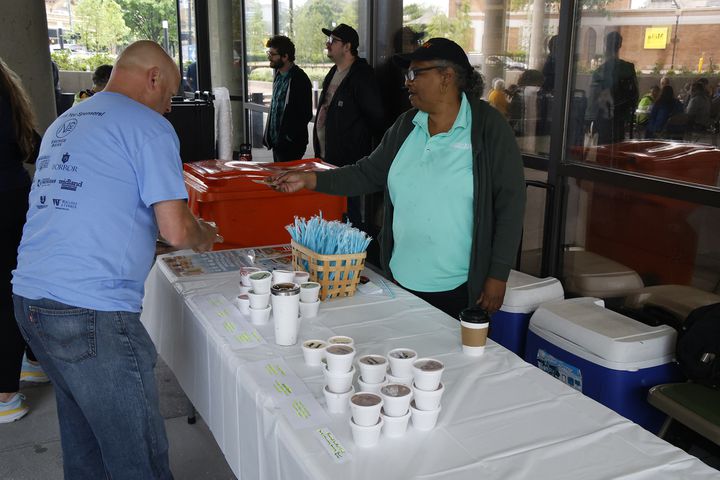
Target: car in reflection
507, 62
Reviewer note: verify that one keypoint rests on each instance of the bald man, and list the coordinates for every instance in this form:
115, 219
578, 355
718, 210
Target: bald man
108, 177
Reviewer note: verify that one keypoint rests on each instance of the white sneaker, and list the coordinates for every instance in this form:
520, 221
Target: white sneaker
13, 409
32, 372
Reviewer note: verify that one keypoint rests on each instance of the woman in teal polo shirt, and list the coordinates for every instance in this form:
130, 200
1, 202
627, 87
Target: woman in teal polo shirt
453, 181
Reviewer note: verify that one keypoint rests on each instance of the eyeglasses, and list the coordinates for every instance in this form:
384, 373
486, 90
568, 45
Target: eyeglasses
332, 39
412, 73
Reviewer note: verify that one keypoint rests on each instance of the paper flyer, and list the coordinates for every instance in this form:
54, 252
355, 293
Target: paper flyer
228, 321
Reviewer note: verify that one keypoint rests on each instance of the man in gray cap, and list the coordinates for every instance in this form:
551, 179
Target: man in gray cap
350, 112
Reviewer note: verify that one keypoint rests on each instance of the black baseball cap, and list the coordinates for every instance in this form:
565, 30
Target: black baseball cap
435, 49
345, 33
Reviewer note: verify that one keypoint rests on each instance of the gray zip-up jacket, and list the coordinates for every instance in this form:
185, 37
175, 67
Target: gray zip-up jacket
498, 192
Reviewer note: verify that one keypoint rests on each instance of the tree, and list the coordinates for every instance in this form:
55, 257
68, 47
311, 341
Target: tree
100, 24
257, 33
144, 19
457, 29
311, 18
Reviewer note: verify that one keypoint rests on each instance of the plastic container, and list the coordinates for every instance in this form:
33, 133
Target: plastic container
523, 294
610, 358
679, 300
588, 274
248, 213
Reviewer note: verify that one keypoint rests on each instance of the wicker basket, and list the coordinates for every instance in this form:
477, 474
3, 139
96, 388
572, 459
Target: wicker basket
338, 275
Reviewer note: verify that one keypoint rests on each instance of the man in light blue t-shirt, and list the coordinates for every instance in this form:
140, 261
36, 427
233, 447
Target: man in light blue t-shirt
108, 177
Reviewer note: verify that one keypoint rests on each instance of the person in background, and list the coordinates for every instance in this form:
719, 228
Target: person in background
56, 86
452, 176
515, 108
665, 82
665, 107
18, 143
497, 97
191, 78
698, 108
642, 114
613, 93
108, 180
286, 131
350, 114
100, 77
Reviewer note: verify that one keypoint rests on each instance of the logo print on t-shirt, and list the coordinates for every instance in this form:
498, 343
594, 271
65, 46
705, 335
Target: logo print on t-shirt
43, 198
66, 128
65, 157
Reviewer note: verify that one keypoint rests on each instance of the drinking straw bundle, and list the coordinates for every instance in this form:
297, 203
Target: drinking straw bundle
328, 237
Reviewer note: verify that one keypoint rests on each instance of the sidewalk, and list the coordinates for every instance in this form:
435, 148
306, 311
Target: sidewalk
30, 448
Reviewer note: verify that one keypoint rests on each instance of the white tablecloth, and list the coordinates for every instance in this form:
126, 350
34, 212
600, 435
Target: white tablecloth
501, 419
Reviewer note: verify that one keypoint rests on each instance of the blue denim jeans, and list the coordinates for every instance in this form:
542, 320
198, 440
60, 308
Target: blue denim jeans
101, 365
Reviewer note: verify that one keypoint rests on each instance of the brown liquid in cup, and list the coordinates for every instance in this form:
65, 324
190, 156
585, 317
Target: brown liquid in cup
429, 365
474, 337
339, 350
314, 344
395, 390
402, 354
365, 399
372, 360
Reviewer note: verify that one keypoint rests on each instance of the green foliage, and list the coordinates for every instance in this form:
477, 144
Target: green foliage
66, 62
144, 19
258, 31
458, 29
587, 5
657, 68
310, 18
100, 24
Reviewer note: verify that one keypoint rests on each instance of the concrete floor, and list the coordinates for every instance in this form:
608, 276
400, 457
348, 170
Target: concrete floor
30, 448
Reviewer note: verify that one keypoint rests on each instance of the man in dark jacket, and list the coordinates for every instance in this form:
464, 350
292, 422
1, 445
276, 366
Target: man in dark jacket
291, 106
350, 111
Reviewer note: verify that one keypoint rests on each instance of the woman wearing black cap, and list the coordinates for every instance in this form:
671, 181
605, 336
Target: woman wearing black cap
453, 183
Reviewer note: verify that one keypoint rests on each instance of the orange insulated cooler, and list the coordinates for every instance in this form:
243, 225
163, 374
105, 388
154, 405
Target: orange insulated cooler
248, 213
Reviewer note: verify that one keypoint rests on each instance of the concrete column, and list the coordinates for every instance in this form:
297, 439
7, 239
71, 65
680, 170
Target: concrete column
537, 36
493, 38
24, 48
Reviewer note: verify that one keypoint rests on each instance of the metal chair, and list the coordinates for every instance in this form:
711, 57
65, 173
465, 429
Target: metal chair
695, 406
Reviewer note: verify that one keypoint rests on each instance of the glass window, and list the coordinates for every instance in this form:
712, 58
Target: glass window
646, 71
510, 43
188, 45
618, 240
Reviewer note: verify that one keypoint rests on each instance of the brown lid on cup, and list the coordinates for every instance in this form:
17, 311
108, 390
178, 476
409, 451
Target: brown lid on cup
474, 314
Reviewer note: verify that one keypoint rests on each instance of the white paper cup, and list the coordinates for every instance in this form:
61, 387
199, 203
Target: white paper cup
401, 360
407, 381
474, 337
425, 400
283, 276
260, 316
309, 291
258, 300
242, 289
286, 329
338, 382
245, 273
427, 373
309, 310
424, 419
341, 340
365, 437
338, 402
365, 407
314, 352
261, 281
396, 399
339, 357
372, 368
370, 387
394, 426
242, 302
301, 277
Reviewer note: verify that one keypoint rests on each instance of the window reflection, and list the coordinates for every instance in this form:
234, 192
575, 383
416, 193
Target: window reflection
188, 45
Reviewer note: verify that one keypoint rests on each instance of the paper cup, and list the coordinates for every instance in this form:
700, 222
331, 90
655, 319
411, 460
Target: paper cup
258, 300
314, 352
407, 381
242, 289
338, 382
474, 337
396, 399
372, 368
245, 273
365, 407
286, 329
261, 281
301, 277
401, 360
424, 420
338, 402
370, 387
339, 357
242, 302
309, 310
425, 400
283, 276
365, 437
394, 427
260, 316
309, 291
427, 373
341, 340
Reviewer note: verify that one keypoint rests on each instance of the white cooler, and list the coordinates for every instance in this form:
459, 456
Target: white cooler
607, 356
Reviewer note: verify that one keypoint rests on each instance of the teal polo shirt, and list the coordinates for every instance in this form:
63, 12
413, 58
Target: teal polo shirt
431, 188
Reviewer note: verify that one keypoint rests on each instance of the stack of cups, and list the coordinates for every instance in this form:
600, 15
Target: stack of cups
366, 422
301, 277
339, 372
259, 296
427, 391
245, 273
285, 299
309, 298
396, 410
401, 370
372, 373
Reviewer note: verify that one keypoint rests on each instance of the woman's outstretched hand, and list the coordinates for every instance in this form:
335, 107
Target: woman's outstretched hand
290, 182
